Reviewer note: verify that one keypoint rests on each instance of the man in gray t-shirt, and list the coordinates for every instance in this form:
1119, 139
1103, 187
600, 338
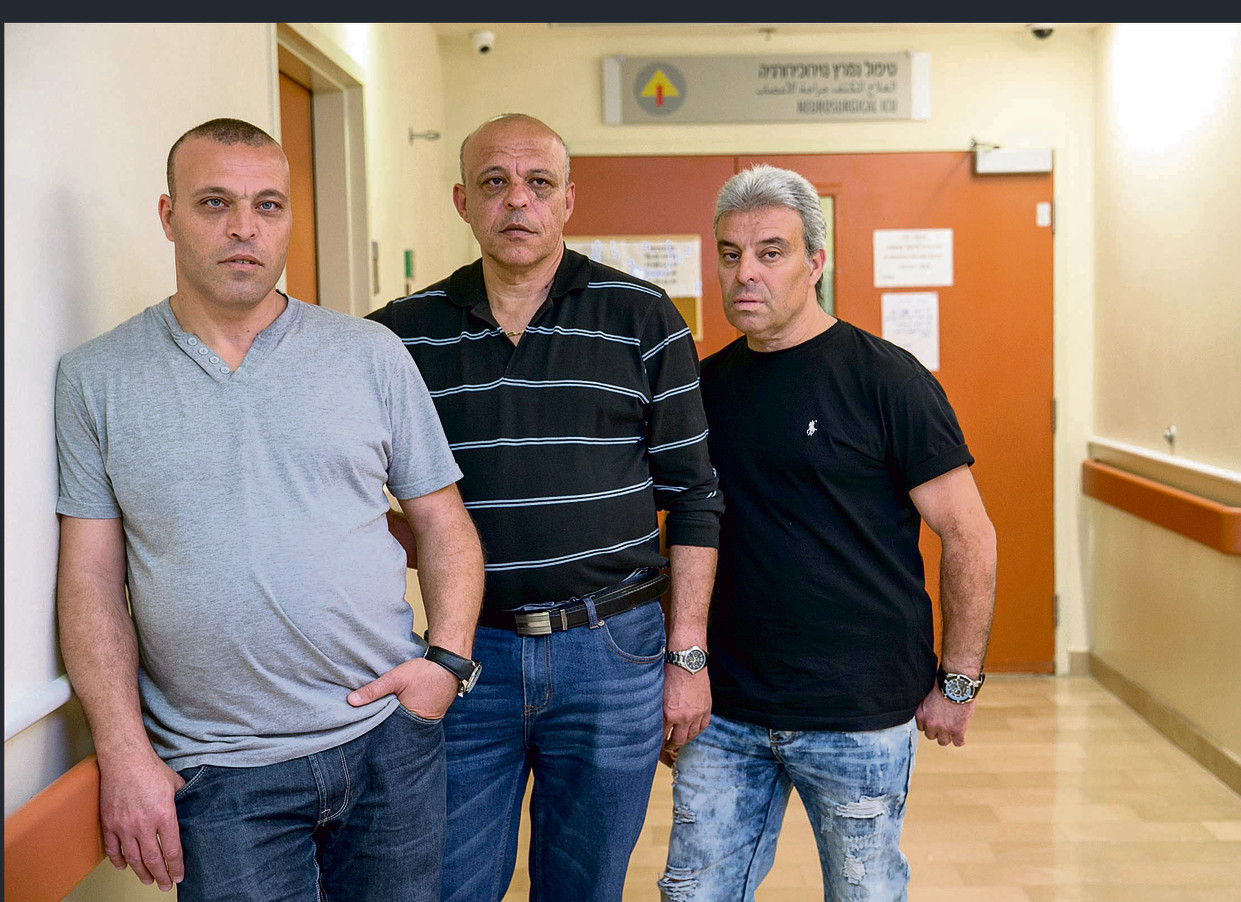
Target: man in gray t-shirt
231, 601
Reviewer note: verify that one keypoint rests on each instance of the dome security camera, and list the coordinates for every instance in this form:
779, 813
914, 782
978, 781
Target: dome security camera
1041, 30
483, 41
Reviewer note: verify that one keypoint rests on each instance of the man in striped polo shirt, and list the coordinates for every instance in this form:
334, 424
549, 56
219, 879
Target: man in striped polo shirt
569, 394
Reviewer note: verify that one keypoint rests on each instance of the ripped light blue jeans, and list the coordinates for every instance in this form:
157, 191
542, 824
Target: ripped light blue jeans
730, 787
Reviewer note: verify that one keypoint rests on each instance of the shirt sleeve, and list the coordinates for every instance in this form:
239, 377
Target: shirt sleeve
924, 434
685, 483
85, 490
382, 315
421, 460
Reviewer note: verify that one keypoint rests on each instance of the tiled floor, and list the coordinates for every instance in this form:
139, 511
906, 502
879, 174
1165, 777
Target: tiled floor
1061, 794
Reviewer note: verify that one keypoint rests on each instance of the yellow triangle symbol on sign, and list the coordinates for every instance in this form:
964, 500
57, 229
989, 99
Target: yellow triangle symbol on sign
659, 87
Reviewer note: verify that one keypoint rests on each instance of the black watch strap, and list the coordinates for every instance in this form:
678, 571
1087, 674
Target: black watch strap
465, 670
959, 687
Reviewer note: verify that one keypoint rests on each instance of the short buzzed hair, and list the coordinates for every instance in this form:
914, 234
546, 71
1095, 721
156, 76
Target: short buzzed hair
762, 186
221, 131
500, 118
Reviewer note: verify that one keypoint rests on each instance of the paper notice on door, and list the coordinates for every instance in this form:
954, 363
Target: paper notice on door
913, 258
911, 320
673, 262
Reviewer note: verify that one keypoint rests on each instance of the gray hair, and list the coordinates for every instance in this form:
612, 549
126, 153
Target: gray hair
500, 118
763, 186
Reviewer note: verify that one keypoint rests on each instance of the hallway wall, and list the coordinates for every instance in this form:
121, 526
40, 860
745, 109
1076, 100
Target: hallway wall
1166, 610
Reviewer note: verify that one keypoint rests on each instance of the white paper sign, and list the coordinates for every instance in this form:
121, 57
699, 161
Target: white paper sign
913, 258
911, 320
673, 262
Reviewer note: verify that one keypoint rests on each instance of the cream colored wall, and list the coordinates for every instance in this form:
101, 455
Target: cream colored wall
1167, 611
1168, 314
410, 198
1004, 87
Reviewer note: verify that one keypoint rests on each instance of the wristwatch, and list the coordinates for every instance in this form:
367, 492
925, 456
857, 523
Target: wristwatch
465, 670
692, 659
957, 687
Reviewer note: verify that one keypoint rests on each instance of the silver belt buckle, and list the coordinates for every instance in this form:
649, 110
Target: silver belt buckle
533, 623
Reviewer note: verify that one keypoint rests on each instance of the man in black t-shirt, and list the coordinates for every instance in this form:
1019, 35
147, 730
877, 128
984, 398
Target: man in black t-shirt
832, 446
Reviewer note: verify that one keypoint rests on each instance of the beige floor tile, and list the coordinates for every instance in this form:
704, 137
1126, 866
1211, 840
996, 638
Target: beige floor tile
967, 894
1061, 794
1225, 831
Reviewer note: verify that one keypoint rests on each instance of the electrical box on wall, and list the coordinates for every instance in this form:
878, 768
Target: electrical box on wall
374, 267
996, 160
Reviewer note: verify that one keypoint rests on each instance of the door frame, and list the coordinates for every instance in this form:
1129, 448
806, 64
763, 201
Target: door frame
342, 237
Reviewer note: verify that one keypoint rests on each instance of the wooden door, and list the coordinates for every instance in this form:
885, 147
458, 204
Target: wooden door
994, 323
297, 139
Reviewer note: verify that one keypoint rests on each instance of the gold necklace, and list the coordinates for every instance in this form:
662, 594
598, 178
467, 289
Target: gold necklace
515, 333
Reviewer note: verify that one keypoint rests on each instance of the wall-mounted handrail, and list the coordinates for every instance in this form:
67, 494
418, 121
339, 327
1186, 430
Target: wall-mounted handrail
1201, 519
1179, 463
53, 841
33, 708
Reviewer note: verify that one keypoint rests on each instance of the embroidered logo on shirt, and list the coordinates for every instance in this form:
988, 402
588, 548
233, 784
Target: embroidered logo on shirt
811, 429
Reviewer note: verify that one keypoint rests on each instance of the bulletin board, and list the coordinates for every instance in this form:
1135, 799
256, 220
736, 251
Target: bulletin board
673, 262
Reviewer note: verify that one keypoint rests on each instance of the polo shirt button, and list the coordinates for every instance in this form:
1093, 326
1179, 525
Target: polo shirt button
215, 359
203, 351
192, 340
224, 370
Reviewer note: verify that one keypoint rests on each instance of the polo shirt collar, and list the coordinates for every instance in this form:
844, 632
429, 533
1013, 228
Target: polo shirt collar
466, 289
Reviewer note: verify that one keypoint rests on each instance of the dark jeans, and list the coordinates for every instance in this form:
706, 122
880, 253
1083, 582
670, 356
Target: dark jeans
583, 711
364, 821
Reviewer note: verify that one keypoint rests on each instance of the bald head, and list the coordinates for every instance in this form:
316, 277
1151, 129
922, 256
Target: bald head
505, 122
222, 131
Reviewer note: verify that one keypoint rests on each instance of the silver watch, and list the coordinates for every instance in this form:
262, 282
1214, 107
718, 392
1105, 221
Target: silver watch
958, 687
692, 659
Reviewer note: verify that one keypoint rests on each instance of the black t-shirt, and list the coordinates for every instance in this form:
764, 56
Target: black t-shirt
820, 618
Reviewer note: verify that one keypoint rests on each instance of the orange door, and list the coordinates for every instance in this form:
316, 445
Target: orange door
995, 326
657, 196
296, 137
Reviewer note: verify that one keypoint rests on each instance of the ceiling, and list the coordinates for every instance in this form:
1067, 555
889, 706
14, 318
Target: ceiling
454, 29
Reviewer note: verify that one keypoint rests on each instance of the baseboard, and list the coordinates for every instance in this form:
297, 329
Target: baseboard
1079, 663
1180, 732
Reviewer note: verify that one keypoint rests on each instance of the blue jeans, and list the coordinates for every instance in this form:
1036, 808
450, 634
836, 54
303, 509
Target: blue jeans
363, 821
582, 710
730, 787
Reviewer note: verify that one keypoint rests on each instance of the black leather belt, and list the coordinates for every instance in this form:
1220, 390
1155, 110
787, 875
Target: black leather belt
612, 600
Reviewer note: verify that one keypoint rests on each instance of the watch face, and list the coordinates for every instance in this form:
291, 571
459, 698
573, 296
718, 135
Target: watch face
958, 688
695, 659
692, 659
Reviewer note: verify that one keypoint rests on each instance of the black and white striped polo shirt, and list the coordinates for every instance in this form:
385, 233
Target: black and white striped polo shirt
571, 440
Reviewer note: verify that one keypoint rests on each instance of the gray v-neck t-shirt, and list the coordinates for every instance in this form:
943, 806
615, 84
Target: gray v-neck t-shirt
263, 580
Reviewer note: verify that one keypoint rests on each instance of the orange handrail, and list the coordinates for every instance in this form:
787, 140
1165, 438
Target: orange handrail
1201, 519
53, 841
